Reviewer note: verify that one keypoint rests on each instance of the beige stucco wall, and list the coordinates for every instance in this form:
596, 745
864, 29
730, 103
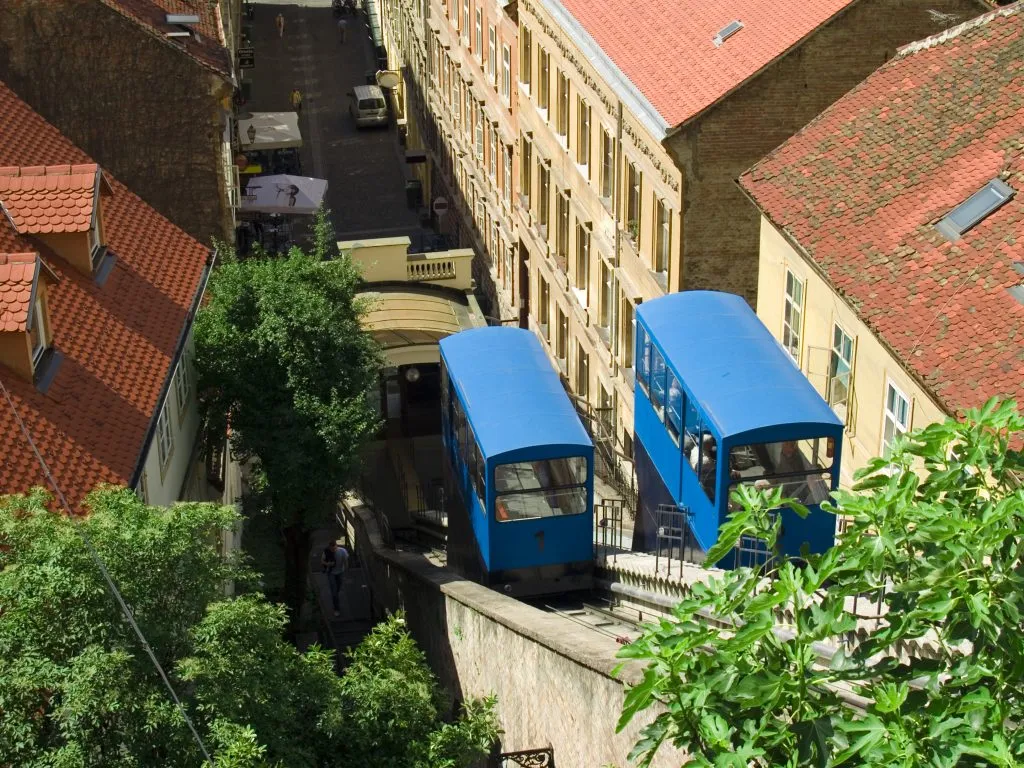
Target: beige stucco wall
873, 364
164, 485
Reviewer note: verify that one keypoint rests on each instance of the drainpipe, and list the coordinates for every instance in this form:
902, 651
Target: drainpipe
616, 309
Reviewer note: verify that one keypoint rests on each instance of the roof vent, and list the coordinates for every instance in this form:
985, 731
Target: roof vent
1018, 267
182, 18
726, 32
179, 33
974, 209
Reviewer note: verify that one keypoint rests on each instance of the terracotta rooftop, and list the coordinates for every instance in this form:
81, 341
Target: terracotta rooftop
646, 37
48, 199
207, 46
17, 276
861, 188
118, 339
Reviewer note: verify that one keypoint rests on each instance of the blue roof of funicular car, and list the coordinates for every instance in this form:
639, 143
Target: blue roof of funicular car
743, 378
513, 396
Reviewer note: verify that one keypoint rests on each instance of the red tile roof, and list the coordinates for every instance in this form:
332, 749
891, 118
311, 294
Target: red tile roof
118, 339
47, 199
17, 276
646, 39
207, 47
860, 189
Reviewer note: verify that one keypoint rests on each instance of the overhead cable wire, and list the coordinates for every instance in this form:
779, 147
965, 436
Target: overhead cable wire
129, 617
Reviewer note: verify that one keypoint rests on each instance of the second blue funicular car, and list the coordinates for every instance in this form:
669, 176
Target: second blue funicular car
718, 403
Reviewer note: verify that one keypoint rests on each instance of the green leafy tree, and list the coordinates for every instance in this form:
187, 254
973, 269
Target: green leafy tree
77, 690
935, 536
281, 351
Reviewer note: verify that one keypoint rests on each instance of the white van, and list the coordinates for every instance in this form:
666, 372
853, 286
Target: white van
368, 106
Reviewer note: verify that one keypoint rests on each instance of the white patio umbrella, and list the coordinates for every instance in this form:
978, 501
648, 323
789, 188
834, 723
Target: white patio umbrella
269, 130
284, 194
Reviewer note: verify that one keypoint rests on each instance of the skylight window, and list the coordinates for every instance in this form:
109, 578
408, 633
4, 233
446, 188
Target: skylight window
726, 32
182, 18
974, 209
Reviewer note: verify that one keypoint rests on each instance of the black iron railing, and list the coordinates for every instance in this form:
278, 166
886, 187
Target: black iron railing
528, 758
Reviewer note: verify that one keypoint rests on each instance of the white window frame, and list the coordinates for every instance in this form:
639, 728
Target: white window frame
526, 58
562, 105
662, 256
888, 415
607, 165
164, 437
492, 154
506, 178
39, 324
479, 41
492, 54
465, 21
583, 130
183, 384
836, 354
506, 74
793, 326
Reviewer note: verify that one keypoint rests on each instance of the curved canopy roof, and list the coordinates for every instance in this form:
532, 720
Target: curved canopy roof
513, 396
733, 366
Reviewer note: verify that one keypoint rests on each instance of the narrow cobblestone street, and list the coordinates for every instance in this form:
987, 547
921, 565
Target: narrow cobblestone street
365, 169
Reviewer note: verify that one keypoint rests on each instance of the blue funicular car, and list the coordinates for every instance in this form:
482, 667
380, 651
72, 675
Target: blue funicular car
520, 461
719, 402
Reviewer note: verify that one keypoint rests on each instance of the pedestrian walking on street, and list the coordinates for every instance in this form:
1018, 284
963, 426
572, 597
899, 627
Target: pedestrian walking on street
297, 100
279, 22
335, 563
342, 29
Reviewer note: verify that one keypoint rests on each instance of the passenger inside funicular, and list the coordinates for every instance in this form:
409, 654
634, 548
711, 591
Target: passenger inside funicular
802, 468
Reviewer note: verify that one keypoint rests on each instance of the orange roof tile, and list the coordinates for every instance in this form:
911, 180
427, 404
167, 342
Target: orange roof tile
861, 188
645, 38
118, 340
207, 46
17, 278
49, 199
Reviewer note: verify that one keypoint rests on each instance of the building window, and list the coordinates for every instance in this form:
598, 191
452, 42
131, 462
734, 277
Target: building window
897, 417
583, 135
544, 86
37, 333
478, 48
562, 114
582, 273
506, 175
607, 165
662, 237
95, 241
562, 229
478, 125
543, 194
492, 154
506, 73
840, 370
634, 185
183, 385
604, 304
793, 316
164, 440
628, 332
525, 57
492, 54
543, 307
582, 372
561, 336
526, 171
465, 20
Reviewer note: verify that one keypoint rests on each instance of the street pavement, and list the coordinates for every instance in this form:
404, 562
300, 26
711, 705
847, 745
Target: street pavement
365, 169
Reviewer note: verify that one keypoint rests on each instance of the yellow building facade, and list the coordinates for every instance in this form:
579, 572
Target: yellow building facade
865, 383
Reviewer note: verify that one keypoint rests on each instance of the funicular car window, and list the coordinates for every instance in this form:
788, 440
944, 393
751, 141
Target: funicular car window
542, 488
643, 357
657, 381
674, 411
802, 468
